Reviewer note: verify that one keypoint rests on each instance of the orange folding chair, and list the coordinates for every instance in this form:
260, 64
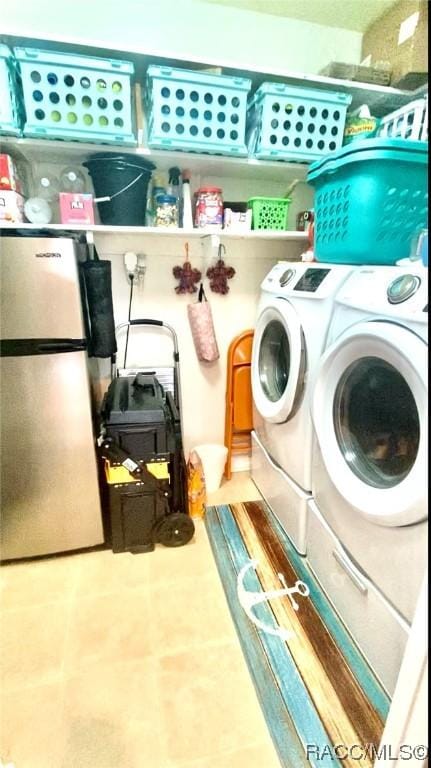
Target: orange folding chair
239, 411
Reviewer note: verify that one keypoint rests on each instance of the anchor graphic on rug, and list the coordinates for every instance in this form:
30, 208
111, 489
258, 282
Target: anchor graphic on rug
249, 599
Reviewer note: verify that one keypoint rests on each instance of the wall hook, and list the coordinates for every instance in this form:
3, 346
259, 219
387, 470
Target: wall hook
187, 276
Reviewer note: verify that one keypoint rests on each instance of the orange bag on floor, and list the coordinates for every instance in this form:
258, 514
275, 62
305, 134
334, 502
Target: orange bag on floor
196, 486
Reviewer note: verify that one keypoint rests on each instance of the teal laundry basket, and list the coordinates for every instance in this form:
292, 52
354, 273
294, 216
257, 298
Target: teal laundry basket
371, 197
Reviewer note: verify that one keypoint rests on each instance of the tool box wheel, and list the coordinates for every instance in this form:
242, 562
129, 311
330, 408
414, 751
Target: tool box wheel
175, 530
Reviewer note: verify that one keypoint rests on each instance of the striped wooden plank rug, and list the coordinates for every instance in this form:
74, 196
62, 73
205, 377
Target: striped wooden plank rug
315, 688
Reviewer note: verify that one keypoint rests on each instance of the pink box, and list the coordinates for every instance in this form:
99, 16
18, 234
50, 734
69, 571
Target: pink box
76, 209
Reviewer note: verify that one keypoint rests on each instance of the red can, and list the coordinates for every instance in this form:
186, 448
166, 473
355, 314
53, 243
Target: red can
209, 207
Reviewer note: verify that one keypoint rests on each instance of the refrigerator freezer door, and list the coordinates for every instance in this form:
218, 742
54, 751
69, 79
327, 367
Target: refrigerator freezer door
40, 295
50, 496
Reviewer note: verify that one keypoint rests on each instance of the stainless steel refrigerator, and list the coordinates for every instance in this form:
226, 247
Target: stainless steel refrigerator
49, 490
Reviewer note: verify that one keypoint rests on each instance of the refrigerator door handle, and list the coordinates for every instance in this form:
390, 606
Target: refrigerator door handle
52, 347
30, 347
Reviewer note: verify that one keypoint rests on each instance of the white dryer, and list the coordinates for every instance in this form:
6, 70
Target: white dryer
293, 317
367, 524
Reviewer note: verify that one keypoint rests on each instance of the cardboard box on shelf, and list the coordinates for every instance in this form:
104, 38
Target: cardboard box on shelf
237, 221
400, 36
236, 217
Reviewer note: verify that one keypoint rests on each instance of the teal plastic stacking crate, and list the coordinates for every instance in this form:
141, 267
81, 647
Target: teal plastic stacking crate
286, 122
78, 98
371, 197
196, 111
10, 103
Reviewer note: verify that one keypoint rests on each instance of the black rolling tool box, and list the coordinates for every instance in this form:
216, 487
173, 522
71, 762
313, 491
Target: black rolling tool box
144, 466
140, 417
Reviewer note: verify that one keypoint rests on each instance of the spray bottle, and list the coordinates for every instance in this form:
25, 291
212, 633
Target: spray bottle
175, 189
187, 216
174, 182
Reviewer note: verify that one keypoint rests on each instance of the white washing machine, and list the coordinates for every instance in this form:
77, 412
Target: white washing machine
290, 334
367, 523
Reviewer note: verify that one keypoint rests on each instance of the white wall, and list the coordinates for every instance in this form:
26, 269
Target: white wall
203, 385
187, 29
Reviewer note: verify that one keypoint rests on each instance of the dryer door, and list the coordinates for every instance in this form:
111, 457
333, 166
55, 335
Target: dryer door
369, 411
278, 362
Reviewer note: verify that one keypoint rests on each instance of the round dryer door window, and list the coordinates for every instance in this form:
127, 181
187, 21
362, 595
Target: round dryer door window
369, 410
376, 422
278, 362
274, 360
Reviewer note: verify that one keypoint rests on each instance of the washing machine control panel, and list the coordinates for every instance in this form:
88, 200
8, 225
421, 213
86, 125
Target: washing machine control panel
402, 288
311, 279
392, 291
305, 281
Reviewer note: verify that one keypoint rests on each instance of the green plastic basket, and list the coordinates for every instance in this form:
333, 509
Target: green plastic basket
269, 212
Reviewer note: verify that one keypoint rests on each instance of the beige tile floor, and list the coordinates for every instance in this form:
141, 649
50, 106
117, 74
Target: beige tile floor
122, 661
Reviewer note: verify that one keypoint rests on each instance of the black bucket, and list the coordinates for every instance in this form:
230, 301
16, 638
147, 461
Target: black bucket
123, 180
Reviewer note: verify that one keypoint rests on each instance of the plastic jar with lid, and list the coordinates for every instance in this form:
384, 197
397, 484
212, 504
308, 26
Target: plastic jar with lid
47, 187
166, 214
209, 207
72, 180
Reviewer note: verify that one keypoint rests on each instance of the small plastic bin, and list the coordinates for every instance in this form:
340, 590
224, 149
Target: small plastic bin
196, 111
78, 98
286, 122
371, 197
408, 122
11, 111
269, 212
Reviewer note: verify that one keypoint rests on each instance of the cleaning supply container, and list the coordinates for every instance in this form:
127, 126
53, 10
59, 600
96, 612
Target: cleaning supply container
209, 207
196, 111
371, 197
286, 122
166, 211
121, 184
80, 98
213, 457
